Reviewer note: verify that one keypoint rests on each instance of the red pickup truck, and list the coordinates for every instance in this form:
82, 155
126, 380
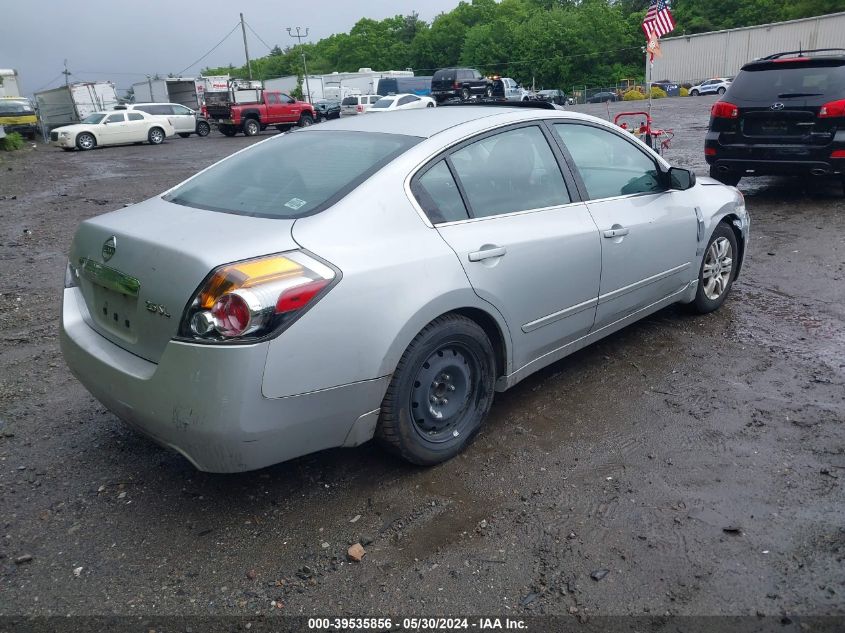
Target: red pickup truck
275, 108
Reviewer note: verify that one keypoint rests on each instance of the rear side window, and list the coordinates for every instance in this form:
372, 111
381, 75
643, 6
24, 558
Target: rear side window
406, 100
135, 116
292, 175
787, 80
383, 103
438, 195
609, 165
511, 171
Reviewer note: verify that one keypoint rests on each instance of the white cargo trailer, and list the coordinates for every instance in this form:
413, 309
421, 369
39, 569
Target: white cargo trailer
170, 90
9, 86
71, 103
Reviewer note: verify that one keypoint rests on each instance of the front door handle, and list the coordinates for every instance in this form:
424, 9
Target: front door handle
618, 231
487, 253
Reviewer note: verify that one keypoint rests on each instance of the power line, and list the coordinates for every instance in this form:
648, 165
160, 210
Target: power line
270, 48
216, 46
48, 83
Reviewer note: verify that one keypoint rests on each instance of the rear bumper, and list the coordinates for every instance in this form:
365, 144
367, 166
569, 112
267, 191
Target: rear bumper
763, 158
206, 402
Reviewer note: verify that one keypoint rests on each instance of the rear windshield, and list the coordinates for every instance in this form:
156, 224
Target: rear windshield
789, 81
347, 101
382, 103
292, 175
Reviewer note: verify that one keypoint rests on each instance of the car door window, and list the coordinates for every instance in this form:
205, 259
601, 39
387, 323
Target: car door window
135, 116
406, 100
115, 118
609, 165
511, 171
274, 99
181, 110
438, 195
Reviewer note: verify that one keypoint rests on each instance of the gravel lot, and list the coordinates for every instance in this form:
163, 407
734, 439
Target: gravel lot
700, 460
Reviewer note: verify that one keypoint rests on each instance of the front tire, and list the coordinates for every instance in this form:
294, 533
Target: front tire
721, 91
718, 270
203, 128
489, 91
86, 141
693, 93
251, 127
156, 136
306, 120
440, 393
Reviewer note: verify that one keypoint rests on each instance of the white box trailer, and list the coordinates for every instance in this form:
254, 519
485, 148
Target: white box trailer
336, 85
170, 90
73, 102
10, 87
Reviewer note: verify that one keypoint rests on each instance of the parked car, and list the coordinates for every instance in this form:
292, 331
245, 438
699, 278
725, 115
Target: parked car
402, 102
311, 305
357, 104
719, 85
557, 97
783, 114
459, 82
603, 97
327, 109
112, 128
184, 119
273, 108
509, 89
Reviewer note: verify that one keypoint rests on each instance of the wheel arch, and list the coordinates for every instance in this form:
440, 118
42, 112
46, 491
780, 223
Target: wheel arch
734, 223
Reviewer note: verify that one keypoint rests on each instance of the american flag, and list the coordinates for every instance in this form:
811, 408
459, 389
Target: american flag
658, 19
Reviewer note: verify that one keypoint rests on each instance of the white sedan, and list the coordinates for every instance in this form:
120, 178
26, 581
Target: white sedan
112, 128
402, 102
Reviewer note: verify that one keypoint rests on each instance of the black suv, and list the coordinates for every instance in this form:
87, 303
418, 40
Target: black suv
459, 82
783, 114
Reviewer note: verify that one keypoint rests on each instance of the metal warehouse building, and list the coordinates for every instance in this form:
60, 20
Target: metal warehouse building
722, 53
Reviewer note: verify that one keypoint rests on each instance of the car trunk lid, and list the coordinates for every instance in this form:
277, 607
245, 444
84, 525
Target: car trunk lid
140, 267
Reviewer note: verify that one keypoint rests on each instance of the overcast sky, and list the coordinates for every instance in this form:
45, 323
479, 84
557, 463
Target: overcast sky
111, 39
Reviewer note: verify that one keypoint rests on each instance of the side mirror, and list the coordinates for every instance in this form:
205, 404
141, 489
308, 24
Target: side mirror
681, 179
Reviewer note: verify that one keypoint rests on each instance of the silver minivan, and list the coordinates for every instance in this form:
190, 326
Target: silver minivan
357, 104
185, 120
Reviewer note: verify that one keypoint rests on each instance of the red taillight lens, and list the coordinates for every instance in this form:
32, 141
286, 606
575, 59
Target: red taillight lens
360, 108
840, 153
709, 151
456, 86
231, 315
255, 298
832, 109
724, 110
298, 297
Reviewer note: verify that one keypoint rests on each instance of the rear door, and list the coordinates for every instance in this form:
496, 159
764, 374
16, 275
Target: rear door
780, 103
137, 127
503, 204
649, 235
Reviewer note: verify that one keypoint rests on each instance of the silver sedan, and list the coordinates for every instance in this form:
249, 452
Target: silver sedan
383, 277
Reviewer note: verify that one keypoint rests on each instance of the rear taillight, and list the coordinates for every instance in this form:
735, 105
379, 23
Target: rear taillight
250, 300
709, 151
840, 153
456, 85
360, 108
724, 110
832, 109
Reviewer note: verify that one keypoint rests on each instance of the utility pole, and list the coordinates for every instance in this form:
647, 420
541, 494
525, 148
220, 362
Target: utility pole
299, 37
246, 48
66, 73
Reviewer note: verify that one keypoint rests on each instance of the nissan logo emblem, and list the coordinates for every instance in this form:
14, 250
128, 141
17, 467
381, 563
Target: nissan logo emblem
777, 106
109, 247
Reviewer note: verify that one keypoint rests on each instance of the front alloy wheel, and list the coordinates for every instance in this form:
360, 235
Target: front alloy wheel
717, 270
85, 141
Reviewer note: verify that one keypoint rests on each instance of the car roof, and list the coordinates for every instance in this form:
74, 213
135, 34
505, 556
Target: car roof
427, 122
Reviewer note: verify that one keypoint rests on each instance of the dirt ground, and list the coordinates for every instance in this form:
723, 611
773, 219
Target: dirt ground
699, 460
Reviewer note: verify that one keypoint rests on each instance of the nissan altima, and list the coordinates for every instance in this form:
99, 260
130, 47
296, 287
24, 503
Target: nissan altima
383, 277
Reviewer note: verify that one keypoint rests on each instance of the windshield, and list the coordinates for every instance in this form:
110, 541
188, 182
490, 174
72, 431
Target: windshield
8, 106
785, 81
93, 119
292, 175
383, 103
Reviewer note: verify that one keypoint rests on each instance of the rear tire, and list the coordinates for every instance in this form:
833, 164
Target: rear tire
718, 270
429, 105
451, 359
251, 127
86, 141
203, 128
464, 94
731, 178
184, 134
489, 91
721, 91
156, 136
306, 120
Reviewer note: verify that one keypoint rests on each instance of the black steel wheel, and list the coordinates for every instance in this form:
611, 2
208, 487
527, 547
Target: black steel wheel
440, 393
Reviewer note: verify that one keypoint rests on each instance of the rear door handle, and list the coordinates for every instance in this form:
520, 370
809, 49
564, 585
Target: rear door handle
487, 253
620, 232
